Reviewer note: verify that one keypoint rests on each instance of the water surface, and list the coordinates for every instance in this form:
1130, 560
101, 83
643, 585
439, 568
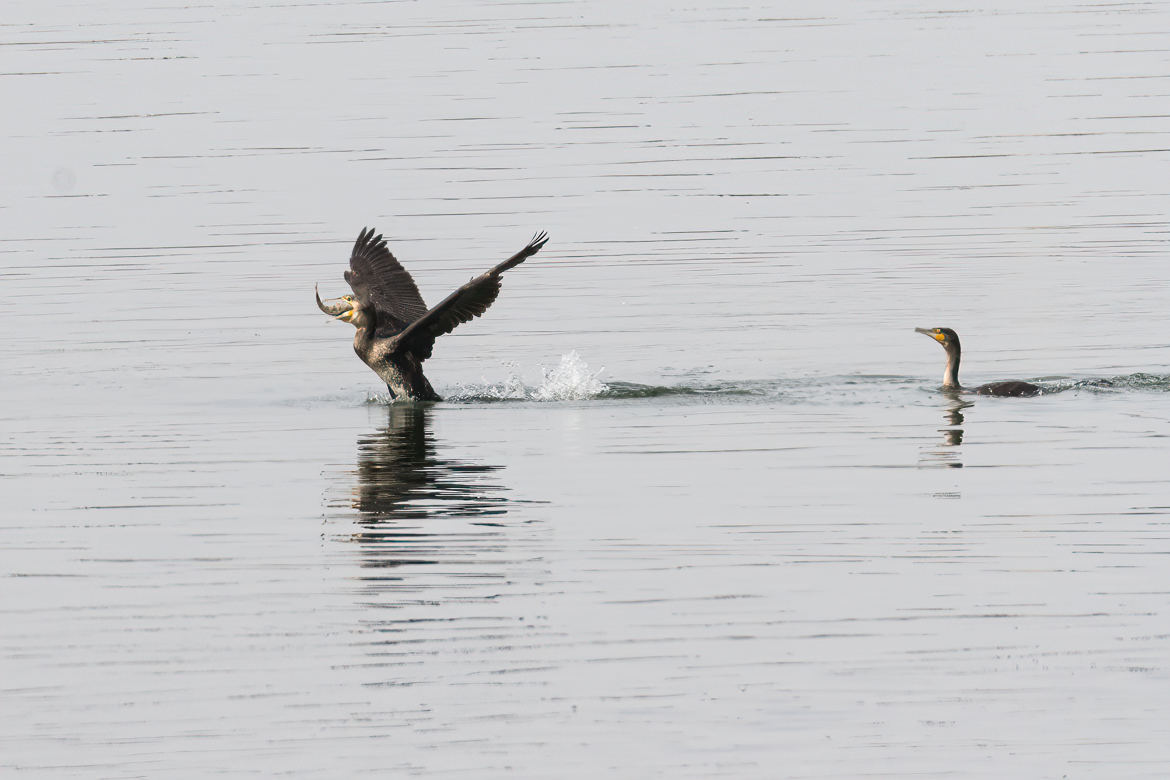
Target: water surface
695, 506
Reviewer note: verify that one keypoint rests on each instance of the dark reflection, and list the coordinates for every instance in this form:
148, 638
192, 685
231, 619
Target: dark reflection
949, 454
417, 507
953, 433
400, 475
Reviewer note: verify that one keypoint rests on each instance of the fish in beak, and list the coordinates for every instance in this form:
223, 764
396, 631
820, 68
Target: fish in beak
341, 308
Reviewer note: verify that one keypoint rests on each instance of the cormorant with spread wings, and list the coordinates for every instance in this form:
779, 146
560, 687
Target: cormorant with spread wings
396, 332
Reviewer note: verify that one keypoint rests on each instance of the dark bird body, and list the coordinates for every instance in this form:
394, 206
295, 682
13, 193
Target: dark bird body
950, 342
396, 332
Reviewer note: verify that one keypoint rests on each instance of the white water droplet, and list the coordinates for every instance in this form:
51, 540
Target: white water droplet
570, 381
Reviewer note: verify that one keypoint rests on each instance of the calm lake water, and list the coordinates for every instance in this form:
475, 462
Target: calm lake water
695, 506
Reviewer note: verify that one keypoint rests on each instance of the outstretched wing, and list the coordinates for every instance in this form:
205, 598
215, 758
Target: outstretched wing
466, 303
379, 281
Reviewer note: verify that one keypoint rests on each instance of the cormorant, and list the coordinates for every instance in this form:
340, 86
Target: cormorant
395, 330
950, 342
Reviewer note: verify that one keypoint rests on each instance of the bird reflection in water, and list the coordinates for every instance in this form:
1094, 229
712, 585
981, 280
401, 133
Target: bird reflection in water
949, 454
416, 507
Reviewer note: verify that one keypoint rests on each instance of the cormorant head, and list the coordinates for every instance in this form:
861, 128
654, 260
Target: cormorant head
346, 308
945, 336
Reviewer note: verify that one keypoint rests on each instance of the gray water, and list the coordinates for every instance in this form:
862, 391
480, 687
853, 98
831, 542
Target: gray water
695, 506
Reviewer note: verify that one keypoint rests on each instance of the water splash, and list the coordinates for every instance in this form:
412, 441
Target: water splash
511, 389
571, 380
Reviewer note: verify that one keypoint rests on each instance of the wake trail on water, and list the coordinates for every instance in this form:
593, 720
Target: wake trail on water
573, 380
1139, 382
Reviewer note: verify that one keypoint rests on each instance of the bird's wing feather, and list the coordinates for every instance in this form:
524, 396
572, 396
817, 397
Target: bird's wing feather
379, 281
468, 302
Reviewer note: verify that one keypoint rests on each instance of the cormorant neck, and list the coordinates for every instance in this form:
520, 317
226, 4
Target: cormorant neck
951, 375
362, 339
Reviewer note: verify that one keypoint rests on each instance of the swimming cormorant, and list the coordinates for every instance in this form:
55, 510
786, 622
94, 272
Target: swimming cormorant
395, 330
950, 342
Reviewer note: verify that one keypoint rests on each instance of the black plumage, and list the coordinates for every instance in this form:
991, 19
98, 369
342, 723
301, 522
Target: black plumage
395, 330
1009, 389
379, 281
954, 349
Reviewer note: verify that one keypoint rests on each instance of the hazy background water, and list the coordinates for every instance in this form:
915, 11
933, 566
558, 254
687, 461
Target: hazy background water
771, 548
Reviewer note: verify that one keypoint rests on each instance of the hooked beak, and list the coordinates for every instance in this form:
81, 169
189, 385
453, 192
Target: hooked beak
940, 338
334, 307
